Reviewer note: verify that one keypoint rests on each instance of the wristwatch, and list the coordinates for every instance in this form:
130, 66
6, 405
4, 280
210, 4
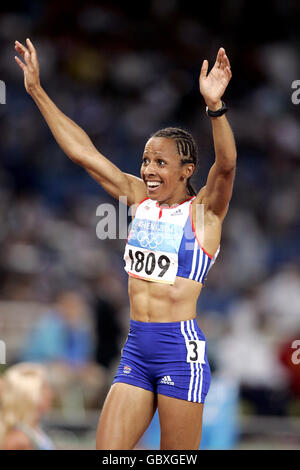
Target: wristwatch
217, 113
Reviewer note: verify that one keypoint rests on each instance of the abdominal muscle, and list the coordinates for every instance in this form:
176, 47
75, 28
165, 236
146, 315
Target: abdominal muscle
158, 302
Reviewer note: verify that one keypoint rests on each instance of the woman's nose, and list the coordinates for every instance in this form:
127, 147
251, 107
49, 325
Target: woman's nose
150, 169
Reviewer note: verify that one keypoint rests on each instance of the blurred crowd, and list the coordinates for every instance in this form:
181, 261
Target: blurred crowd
121, 74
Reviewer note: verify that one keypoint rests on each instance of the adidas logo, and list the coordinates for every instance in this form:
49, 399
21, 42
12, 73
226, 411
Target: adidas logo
167, 380
178, 212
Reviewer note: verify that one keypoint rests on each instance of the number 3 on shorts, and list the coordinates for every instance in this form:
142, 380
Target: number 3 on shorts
195, 351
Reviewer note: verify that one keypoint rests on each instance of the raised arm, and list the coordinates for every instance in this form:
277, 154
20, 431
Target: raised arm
74, 142
218, 189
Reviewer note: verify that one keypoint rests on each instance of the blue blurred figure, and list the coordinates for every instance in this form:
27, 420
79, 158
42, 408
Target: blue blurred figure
220, 415
62, 334
63, 340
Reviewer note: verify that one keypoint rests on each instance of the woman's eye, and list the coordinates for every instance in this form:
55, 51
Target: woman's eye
146, 161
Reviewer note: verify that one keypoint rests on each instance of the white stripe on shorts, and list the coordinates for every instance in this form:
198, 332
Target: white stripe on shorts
193, 365
192, 369
196, 381
198, 399
196, 366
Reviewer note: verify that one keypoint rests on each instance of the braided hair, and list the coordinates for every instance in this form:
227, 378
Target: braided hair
186, 148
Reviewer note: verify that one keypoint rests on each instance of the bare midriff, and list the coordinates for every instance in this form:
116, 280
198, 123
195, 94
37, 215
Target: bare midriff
158, 302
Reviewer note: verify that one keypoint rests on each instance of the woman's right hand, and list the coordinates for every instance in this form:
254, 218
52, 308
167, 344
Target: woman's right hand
30, 68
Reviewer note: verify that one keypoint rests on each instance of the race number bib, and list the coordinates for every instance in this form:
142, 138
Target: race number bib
195, 351
152, 265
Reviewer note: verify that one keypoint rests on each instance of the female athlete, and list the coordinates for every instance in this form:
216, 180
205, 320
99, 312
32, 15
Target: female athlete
168, 254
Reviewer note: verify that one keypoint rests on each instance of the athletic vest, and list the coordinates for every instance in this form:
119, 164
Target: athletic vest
162, 244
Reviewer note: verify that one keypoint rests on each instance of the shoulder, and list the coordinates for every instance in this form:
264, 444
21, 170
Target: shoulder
17, 440
146, 201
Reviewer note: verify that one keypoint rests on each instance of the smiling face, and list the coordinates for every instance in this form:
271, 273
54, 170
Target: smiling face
163, 173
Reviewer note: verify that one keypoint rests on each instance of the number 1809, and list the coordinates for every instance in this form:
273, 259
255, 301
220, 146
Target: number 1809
139, 262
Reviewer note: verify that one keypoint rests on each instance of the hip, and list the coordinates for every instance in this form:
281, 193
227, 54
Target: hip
155, 342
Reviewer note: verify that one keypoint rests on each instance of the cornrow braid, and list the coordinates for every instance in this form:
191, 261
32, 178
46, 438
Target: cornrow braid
186, 148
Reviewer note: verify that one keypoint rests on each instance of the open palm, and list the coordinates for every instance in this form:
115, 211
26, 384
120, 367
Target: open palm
30, 66
213, 85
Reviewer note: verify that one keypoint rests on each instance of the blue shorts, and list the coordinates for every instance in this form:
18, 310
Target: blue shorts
166, 358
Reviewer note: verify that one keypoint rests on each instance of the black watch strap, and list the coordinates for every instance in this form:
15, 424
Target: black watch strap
217, 113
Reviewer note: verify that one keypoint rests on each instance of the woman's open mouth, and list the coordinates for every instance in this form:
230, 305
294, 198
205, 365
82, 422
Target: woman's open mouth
153, 185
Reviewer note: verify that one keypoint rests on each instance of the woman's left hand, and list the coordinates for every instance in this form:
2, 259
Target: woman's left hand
213, 85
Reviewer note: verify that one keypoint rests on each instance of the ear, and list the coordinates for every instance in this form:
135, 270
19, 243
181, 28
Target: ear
188, 170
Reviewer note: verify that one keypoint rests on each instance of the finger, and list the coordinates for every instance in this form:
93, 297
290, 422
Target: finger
204, 69
20, 48
228, 73
20, 63
28, 59
30, 47
220, 54
226, 61
33, 52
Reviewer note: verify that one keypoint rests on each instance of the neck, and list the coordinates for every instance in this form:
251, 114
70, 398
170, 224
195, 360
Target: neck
175, 200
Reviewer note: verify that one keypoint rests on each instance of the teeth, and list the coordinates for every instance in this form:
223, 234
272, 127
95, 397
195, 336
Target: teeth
152, 184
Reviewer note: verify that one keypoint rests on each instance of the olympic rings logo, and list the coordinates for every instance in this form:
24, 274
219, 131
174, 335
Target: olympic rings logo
150, 240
